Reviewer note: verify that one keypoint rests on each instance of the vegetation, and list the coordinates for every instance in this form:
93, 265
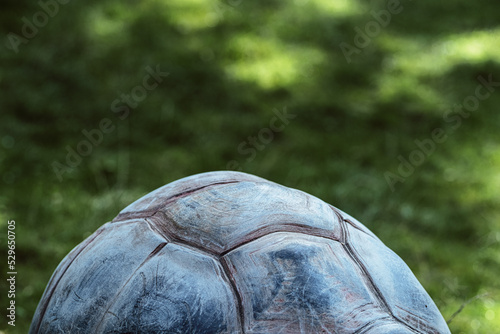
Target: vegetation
387, 110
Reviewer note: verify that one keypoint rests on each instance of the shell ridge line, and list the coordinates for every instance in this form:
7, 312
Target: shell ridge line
425, 323
354, 256
226, 274
366, 327
413, 314
168, 200
369, 326
165, 231
372, 286
78, 251
341, 218
360, 307
229, 276
133, 215
174, 239
164, 234
286, 227
118, 293
194, 190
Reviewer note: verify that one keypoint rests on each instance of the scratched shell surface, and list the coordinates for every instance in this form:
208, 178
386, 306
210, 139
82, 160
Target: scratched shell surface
229, 252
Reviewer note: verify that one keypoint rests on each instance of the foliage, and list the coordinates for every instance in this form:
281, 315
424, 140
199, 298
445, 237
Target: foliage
233, 66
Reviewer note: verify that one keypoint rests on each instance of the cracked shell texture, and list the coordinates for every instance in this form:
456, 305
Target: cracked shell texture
229, 252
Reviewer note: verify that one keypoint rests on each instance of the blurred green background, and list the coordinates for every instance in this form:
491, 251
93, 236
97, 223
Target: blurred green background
369, 94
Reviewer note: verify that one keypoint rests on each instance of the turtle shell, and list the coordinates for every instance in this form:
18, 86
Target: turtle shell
229, 252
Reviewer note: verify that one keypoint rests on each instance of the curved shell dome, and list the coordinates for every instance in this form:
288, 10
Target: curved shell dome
229, 252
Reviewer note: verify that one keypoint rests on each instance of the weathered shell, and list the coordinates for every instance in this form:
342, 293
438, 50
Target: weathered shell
229, 252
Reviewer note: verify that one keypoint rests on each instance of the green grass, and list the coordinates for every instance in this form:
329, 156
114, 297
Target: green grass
231, 65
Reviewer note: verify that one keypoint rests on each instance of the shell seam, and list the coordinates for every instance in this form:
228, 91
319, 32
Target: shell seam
372, 286
217, 257
115, 298
152, 212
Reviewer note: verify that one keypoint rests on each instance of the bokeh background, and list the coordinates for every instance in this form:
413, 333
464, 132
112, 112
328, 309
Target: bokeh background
356, 102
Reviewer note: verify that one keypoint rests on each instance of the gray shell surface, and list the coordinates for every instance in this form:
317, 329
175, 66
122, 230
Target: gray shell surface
229, 252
